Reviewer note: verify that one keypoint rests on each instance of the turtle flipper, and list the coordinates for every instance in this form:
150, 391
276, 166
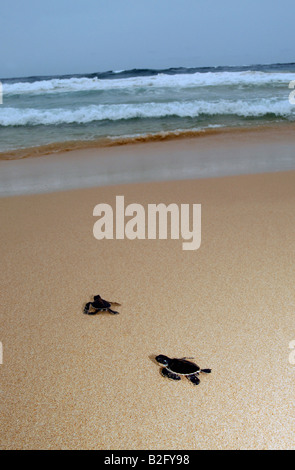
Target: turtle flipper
194, 379
115, 304
86, 308
113, 312
88, 311
170, 375
206, 371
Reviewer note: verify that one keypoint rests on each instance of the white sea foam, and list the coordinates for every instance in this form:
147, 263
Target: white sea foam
161, 80
31, 117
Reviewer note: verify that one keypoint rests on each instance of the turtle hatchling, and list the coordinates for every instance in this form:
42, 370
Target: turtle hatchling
100, 305
174, 368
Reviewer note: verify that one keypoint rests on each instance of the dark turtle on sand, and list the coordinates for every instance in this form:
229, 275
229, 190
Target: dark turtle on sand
100, 305
174, 368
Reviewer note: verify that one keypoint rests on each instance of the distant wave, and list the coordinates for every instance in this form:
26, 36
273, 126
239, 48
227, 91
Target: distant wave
161, 80
33, 117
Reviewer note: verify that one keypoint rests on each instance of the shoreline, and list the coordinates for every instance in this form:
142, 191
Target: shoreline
72, 381
70, 146
217, 155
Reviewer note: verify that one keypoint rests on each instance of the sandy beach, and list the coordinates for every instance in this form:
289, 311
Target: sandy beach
72, 381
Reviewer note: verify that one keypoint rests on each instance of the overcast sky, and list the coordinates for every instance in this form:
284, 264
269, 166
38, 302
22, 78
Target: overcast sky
47, 37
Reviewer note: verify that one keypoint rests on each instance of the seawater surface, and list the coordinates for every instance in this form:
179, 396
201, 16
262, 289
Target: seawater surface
130, 105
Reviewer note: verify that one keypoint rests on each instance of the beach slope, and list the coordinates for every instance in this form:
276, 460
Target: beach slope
72, 381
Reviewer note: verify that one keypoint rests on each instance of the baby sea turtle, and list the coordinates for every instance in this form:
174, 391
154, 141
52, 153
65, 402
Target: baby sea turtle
174, 368
100, 305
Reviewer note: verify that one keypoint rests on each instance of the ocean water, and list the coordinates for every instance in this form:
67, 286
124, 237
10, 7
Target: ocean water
134, 104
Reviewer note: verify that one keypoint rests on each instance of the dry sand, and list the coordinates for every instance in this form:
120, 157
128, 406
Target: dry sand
73, 381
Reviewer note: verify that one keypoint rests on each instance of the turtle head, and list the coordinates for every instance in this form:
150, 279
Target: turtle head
163, 359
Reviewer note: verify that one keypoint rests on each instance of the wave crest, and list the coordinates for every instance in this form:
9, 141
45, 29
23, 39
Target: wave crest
33, 117
162, 80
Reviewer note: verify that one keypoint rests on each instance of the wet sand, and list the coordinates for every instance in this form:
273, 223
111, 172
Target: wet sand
233, 152
72, 381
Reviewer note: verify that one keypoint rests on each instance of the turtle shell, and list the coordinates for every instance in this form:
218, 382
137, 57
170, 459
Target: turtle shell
100, 303
183, 367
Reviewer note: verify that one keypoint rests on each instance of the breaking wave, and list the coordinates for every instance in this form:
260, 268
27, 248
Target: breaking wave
161, 80
82, 115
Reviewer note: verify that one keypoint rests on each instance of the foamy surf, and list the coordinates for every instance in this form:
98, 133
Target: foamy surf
40, 111
84, 115
249, 78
